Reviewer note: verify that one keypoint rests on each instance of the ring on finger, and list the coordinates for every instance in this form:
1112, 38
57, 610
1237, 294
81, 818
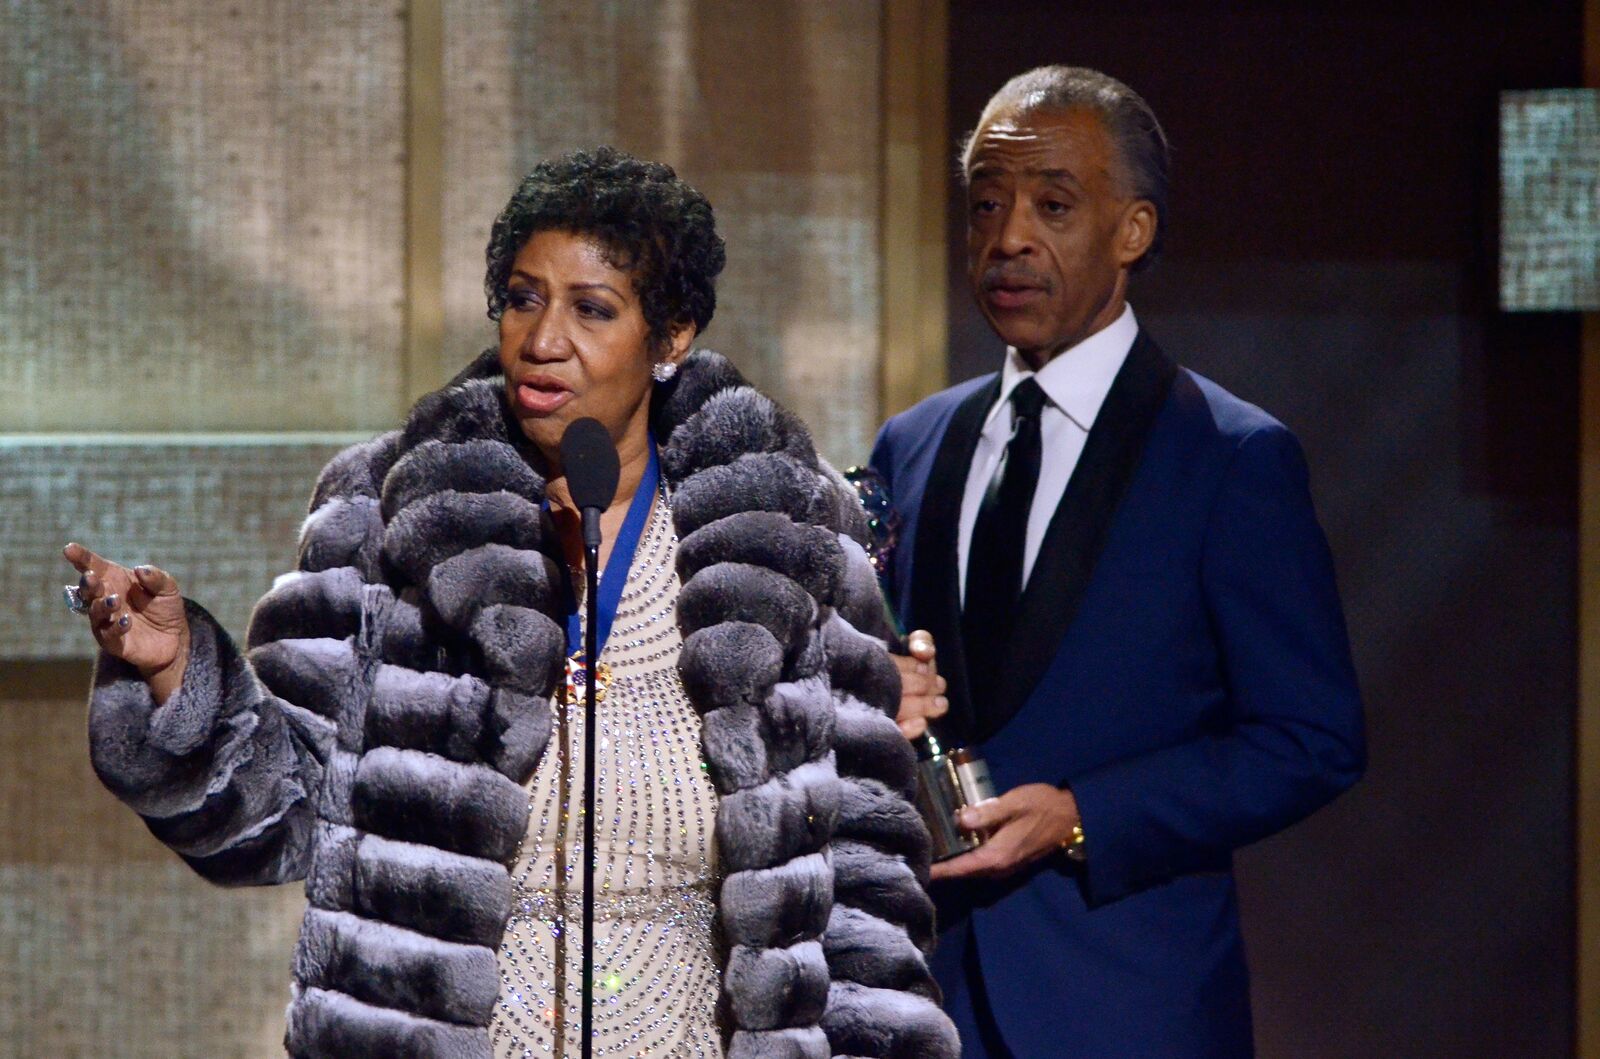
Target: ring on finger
73, 596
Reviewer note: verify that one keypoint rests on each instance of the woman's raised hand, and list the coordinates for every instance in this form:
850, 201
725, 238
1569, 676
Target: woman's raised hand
136, 615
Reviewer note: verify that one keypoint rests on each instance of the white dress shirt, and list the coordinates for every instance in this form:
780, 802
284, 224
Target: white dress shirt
1075, 384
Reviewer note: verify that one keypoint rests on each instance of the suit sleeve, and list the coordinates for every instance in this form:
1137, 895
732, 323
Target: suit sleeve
228, 769
1290, 735
882, 458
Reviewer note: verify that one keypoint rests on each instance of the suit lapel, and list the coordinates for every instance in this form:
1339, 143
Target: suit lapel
936, 569
1078, 530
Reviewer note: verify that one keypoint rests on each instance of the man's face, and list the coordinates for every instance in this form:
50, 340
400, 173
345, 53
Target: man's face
1051, 230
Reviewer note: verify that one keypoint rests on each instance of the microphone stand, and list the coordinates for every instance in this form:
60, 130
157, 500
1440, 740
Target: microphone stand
591, 605
589, 458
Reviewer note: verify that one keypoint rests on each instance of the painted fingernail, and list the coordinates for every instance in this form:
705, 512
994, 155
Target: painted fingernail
967, 818
112, 601
941, 702
123, 622
143, 570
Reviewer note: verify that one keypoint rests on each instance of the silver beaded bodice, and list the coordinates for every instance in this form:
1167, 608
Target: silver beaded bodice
656, 969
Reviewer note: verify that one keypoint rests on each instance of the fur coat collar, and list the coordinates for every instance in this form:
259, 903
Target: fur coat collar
409, 665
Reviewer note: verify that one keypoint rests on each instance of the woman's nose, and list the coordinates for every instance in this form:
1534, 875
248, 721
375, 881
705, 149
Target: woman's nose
546, 339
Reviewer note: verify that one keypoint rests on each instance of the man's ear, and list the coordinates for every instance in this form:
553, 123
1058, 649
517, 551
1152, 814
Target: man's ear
1136, 231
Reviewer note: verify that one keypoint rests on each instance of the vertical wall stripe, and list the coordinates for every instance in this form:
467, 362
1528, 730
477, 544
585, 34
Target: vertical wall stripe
424, 312
1588, 810
917, 170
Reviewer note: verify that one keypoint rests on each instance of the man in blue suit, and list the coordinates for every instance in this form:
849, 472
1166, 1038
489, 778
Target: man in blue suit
1133, 605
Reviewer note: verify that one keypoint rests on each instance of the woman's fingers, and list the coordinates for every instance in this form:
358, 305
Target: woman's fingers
104, 608
155, 581
105, 621
95, 570
81, 557
99, 576
136, 615
110, 634
155, 599
91, 586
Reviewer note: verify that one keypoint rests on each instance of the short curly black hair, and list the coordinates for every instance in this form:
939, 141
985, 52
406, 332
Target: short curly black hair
653, 225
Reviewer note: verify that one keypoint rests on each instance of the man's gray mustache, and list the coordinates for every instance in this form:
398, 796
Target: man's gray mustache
1002, 277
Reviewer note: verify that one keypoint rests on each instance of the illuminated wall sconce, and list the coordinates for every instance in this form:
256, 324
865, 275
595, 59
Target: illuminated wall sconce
1550, 200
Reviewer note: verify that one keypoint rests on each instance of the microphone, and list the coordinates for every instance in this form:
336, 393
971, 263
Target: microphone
589, 459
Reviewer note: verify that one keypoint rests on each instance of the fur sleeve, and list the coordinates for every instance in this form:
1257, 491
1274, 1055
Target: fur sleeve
227, 771
883, 1001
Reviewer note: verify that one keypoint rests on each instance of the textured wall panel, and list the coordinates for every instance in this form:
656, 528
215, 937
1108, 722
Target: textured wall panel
222, 518
201, 231
481, 161
770, 109
200, 215
109, 945
1550, 199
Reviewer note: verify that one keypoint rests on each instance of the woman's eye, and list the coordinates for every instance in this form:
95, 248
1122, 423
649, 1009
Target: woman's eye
521, 299
1052, 206
595, 311
984, 207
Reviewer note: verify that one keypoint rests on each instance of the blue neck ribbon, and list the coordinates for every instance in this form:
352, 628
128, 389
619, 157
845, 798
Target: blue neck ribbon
614, 577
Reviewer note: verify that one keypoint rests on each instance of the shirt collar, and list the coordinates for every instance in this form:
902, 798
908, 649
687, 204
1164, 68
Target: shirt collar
1076, 380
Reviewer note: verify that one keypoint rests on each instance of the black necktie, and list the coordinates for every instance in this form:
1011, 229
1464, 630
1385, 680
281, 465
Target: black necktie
994, 556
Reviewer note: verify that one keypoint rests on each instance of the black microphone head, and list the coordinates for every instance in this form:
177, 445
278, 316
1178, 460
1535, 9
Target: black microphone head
590, 461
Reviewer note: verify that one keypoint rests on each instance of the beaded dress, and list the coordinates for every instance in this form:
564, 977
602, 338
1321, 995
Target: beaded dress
657, 974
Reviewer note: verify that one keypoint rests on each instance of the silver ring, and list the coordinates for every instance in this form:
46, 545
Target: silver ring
73, 595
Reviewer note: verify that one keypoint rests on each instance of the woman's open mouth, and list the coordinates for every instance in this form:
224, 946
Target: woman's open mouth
541, 394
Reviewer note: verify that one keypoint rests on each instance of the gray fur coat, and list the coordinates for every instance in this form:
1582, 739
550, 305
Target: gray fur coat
374, 737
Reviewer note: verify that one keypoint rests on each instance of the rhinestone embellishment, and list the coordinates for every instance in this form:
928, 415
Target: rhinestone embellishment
657, 975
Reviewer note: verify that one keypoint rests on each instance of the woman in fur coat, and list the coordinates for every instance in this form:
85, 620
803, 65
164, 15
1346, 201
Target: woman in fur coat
397, 731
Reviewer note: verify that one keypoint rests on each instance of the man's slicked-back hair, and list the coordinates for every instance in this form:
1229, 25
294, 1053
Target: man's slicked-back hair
1140, 143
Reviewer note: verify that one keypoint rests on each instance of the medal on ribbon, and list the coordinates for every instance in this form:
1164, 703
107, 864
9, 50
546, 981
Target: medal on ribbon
577, 678
613, 578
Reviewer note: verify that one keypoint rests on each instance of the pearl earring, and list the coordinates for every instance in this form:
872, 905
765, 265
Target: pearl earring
664, 371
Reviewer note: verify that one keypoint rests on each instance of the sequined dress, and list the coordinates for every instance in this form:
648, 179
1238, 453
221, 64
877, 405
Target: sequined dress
656, 967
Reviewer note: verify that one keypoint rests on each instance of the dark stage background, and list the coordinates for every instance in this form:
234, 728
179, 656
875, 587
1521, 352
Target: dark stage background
1332, 258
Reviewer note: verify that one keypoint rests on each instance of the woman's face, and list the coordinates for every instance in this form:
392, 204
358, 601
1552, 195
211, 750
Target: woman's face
574, 342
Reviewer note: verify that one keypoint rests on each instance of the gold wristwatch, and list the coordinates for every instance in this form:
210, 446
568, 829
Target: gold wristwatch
1073, 847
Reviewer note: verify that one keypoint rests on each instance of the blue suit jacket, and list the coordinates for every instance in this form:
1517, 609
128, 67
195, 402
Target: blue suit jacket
1180, 662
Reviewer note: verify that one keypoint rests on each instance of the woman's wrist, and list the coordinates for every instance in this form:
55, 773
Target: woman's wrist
165, 681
